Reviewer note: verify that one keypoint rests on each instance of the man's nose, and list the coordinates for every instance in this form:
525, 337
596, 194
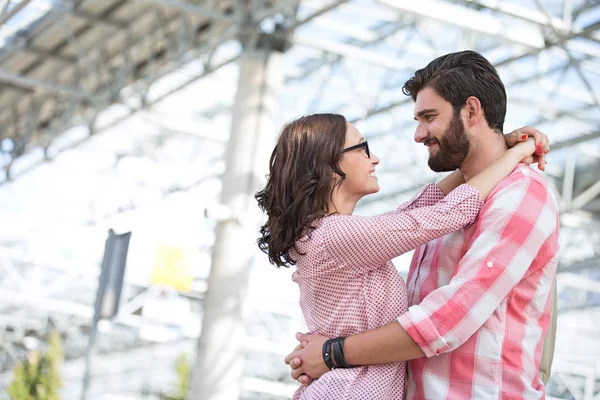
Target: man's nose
420, 134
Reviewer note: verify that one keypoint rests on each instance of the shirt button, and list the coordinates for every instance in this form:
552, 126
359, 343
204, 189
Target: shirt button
490, 264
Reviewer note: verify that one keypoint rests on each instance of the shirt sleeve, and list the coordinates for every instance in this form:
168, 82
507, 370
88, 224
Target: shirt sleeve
365, 243
428, 195
513, 227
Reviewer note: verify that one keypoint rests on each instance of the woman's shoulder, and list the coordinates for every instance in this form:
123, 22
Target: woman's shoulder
312, 235
311, 248
320, 230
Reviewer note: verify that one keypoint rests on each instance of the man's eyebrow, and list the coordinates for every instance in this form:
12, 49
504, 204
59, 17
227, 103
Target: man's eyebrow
425, 111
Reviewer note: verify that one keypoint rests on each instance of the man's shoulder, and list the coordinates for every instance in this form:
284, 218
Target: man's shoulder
524, 193
524, 180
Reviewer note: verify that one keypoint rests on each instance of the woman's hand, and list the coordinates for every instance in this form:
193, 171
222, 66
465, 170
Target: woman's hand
526, 151
306, 360
542, 146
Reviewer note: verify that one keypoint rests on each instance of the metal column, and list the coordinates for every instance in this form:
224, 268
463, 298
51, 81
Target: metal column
219, 366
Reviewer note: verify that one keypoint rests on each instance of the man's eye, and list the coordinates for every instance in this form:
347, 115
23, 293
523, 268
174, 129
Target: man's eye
428, 118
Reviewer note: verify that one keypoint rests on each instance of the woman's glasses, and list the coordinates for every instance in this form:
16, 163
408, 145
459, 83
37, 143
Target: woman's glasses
358, 146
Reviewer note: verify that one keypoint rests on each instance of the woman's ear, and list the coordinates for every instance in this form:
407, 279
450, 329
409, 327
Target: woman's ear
474, 112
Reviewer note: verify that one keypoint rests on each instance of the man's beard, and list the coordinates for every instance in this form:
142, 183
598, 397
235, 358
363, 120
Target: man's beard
453, 147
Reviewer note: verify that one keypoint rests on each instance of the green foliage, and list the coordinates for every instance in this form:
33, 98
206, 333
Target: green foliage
183, 379
38, 377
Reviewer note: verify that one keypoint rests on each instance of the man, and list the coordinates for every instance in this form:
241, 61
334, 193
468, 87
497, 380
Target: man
480, 297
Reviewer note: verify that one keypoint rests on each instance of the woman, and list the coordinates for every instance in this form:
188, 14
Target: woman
319, 170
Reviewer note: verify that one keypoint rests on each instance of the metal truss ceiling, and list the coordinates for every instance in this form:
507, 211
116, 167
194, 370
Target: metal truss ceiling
76, 62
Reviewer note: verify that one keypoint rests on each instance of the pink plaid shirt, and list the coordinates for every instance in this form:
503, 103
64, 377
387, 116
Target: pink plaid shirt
480, 298
349, 285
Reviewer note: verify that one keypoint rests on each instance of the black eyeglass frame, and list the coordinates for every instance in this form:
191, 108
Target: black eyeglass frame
364, 144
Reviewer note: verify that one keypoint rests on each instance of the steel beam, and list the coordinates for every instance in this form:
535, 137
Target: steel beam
580, 265
35, 84
350, 51
521, 12
587, 31
195, 8
569, 178
588, 195
14, 11
469, 19
578, 282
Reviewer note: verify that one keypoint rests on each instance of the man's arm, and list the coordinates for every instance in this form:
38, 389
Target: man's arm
513, 226
389, 343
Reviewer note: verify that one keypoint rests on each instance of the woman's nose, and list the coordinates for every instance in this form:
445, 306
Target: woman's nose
374, 159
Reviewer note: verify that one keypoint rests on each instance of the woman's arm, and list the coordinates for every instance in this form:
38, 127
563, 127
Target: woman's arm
366, 243
542, 147
428, 195
451, 182
489, 178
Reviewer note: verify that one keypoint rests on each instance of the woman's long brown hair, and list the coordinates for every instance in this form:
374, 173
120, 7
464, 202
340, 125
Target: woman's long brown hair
301, 180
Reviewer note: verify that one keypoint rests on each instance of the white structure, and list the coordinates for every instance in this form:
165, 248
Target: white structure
118, 114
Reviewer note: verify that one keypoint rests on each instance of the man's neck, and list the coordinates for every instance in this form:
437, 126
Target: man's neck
484, 151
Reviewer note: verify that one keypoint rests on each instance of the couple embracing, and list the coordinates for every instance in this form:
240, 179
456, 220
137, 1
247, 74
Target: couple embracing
471, 318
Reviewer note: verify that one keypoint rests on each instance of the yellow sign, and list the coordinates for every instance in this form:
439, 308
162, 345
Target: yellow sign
173, 268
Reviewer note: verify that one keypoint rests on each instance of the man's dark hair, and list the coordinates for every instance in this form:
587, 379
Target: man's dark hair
456, 77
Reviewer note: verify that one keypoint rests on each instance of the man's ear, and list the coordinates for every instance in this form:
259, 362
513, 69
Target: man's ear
473, 111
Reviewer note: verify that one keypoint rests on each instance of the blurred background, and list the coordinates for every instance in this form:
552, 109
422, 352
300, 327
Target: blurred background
134, 133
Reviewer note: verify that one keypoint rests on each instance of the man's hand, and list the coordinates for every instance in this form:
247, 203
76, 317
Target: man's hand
306, 360
541, 141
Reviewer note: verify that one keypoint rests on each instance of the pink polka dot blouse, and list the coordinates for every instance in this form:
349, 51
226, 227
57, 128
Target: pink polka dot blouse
348, 283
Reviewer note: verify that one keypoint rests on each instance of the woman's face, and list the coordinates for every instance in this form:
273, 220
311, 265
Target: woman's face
358, 167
